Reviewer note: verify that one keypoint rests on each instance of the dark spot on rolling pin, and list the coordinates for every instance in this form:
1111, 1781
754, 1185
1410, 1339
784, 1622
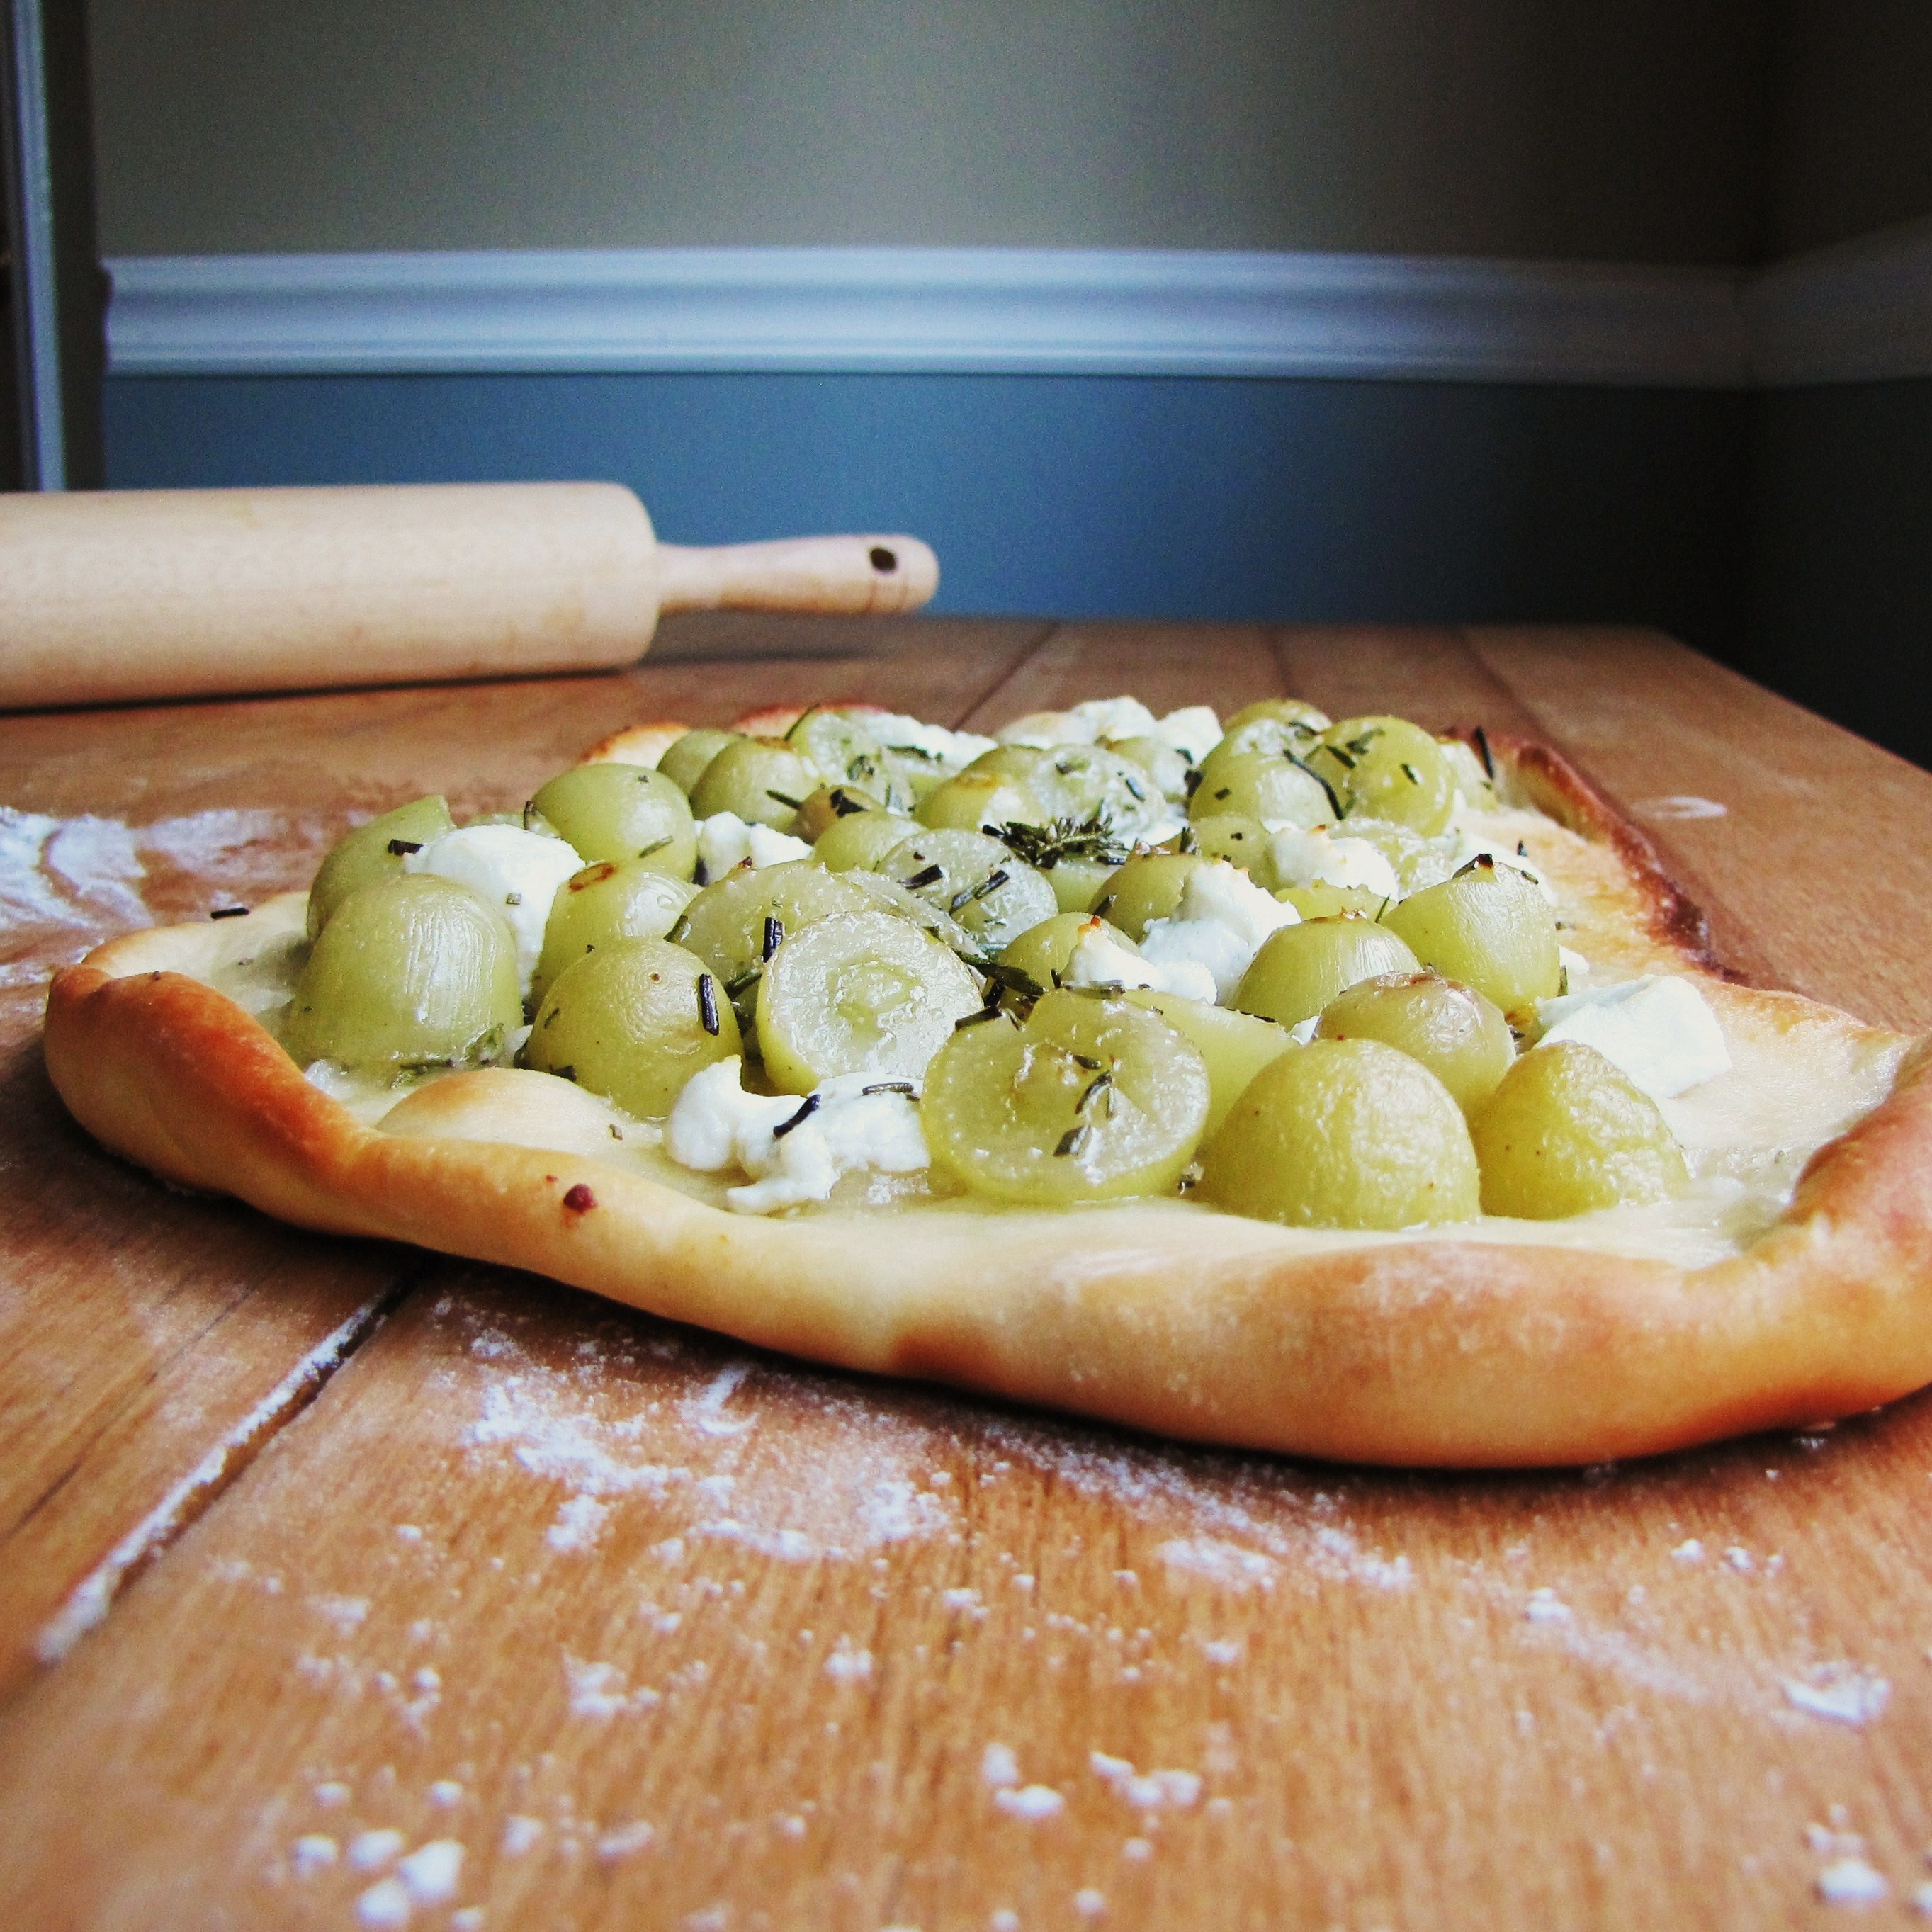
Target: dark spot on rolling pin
580, 1200
883, 559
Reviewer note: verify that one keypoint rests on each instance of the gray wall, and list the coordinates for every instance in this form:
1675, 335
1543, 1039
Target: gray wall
1851, 142
1627, 130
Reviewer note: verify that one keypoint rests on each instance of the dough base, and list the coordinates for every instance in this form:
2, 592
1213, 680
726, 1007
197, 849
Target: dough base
1505, 1344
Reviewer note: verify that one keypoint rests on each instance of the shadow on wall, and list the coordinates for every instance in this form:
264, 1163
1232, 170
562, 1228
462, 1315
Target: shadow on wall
1842, 574
1093, 496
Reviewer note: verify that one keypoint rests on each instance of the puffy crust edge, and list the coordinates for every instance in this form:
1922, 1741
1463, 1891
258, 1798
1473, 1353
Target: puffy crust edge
1433, 1352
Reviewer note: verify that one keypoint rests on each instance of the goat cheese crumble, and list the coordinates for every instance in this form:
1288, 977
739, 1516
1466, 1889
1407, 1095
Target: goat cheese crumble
520, 873
725, 840
954, 751
1222, 921
1658, 1030
1099, 959
1321, 857
842, 1128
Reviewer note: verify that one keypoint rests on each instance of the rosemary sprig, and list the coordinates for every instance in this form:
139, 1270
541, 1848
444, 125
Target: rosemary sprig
1043, 847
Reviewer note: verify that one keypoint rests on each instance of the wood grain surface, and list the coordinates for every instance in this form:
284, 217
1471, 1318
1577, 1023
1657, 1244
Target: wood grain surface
661, 1632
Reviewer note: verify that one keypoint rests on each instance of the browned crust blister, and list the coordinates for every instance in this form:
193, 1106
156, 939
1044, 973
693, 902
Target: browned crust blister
1434, 1352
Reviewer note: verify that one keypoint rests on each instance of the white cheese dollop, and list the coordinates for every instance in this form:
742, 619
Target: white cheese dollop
953, 750
725, 840
716, 1124
1659, 1029
1319, 858
519, 872
1223, 919
1194, 730
1099, 960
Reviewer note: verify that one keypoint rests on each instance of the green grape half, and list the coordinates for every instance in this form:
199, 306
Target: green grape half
634, 1021
621, 812
1489, 928
974, 879
1167, 767
1301, 968
1087, 784
735, 925
685, 758
1235, 1046
976, 799
858, 993
374, 852
1148, 888
826, 806
846, 754
1089, 1099
603, 904
860, 839
412, 971
763, 780
1461, 1037
1567, 1132
1241, 841
1259, 785
1387, 768
1344, 1134
1292, 712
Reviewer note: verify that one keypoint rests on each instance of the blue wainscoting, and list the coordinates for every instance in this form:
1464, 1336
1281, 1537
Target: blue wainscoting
1842, 574
1080, 495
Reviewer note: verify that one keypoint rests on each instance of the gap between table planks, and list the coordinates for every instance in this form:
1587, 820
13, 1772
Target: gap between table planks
1386, 1750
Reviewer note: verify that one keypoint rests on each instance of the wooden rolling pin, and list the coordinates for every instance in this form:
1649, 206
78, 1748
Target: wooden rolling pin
169, 593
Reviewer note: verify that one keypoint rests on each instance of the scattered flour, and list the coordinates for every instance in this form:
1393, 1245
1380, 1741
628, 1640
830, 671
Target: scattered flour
386, 1902
1146, 1791
1546, 1607
621, 1840
1033, 1802
520, 1834
312, 1852
847, 1664
432, 1871
998, 1765
370, 1851
1840, 1691
1850, 1881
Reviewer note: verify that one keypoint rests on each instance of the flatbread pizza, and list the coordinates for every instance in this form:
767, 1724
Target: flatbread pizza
1316, 1086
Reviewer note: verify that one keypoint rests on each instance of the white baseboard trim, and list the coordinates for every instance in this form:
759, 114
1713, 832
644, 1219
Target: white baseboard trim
1025, 311
1848, 314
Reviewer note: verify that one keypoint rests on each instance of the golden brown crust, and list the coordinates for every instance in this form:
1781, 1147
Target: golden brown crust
1446, 1350
636, 744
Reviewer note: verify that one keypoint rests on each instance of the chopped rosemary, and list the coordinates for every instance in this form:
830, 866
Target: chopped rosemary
707, 1003
1335, 804
1074, 1141
400, 848
616, 1131
1102, 1083
991, 1012
1133, 785
743, 981
513, 898
1482, 738
1087, 1060
809, 1107
1192, 781
702, 875
889, 1087
1481, 861
991, 882
565, 1072
926, 875
1414, 776
656, 845
1563, 984
1342, 756
1014, 980
774, 934
793, 804
842, 801
230, 912
1522, 850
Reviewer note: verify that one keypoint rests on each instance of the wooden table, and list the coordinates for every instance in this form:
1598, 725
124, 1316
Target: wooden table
304, 1540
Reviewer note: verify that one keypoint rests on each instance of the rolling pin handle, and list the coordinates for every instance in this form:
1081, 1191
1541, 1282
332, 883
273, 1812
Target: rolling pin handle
843, 576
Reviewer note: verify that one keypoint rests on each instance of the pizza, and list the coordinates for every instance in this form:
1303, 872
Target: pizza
1316, 1086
